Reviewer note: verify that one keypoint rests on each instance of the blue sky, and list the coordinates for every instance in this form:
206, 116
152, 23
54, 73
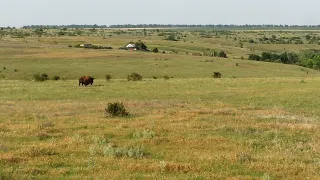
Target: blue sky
105, 12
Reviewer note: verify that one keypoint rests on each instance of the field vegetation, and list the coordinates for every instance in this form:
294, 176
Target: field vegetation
158, 113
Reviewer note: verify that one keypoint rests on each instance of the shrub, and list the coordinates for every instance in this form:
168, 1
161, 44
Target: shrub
134, 77
4, 68
145, 134
166, 77
108, 77
43, 77
16, 70
155, 50
171, 38
154, 77
254, 57
216, 75
244, 157
132, 152
222, 54
56, 78
116, 109
140, 45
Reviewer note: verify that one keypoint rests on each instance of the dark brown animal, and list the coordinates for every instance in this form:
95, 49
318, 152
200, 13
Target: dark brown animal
86, 80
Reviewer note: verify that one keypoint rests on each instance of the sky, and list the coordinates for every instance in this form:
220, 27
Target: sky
17, 13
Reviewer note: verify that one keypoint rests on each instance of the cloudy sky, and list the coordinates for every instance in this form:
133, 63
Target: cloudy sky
105, 12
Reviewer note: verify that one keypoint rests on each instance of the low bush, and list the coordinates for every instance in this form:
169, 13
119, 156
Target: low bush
108, 77
56, 78
155, 50
42, 77
132, 152
166, 77
134, 77
145, 134
116, 109
216, 75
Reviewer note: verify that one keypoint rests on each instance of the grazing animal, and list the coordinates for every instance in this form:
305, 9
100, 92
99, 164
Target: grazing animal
86, 80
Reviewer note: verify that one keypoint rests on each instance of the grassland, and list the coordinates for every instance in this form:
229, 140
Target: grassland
260, 121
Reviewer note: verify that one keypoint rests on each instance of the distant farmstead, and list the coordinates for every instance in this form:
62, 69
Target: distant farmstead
86, 45
131, 46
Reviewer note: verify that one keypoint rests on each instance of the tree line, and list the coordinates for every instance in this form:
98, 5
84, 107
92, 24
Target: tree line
223, 26
308, 58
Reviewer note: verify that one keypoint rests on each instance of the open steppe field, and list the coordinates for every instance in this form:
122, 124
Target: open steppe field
259, 121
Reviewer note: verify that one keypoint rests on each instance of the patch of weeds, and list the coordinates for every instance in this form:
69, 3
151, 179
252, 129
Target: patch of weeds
77, 138
99, 141
46, 125
57, 164
146, 134
131, 152
266, 176
174, 167
251, 131
91, 163
5, 176
37, 152
93, 150
258, 145
116, 109
11, 160
302, 82
3, 148
43, 136
36, 171
244, 157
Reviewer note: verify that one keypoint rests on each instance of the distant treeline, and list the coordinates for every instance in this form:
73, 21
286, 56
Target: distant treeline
307, 58
220, 26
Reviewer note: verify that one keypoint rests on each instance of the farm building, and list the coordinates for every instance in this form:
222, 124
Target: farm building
131, 46
86, 45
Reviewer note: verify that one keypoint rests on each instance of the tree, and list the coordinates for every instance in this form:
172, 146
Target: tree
145, 32
308, 37
292, 58
171, 38
222, 54
284, 58
265, 56
254, 57
274, 57
140, 45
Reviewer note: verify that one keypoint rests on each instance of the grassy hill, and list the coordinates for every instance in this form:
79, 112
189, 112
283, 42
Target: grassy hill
73, 63
260, 121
